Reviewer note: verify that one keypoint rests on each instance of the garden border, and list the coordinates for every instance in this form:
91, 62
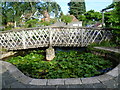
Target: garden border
20, 77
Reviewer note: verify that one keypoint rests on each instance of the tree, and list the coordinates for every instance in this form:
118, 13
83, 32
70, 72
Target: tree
117, 13
113, 20
109, 7
93, 16
12, 11
31, 23
4, 15
66, 18
76, 7
90, 17
51, 7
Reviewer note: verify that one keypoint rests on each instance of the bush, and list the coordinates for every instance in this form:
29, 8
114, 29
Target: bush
45, 23
116, 37
31, 23
66, 19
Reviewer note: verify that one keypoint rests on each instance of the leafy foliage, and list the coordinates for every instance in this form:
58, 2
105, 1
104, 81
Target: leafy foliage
12, 11
52, 8
116, 14
66, 18
76, 8
112, 19
103, 44
90, 17
31, 23
71, 64
116, 37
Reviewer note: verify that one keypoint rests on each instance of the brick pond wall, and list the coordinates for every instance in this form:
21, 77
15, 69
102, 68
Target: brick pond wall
14, 78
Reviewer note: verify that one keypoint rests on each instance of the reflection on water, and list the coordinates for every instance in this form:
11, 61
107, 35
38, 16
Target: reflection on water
68, 49
64, 49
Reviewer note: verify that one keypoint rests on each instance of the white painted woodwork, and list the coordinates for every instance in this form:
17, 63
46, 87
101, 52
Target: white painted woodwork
52, 36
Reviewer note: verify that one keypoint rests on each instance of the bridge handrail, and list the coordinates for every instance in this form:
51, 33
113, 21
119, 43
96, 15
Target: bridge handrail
92, 28
53, 36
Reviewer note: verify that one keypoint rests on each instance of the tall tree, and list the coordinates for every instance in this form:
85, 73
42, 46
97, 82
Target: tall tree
112, 17
4, 11
51, 7
117, 12
77, 7
12, 11
111, 5
90, 17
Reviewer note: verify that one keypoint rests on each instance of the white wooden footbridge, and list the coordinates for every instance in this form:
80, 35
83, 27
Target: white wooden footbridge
52, 36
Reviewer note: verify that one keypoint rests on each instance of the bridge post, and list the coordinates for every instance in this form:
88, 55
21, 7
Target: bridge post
23, 39
50, 52
103, 19
81, 37
51, 34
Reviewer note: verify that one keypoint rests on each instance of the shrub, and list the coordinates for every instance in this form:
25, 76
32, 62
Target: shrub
31, 23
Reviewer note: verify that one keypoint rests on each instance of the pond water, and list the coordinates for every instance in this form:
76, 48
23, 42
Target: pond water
64, 49
57, 49
68, 63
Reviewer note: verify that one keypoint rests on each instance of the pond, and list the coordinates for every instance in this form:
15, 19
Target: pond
68, 63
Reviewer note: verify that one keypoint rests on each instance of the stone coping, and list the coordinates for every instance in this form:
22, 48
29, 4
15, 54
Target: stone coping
109, 49
20, 77
7, 54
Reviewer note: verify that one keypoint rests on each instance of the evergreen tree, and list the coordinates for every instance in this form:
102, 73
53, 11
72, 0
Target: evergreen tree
77, 7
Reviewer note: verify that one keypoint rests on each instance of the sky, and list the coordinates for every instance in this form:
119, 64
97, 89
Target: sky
96, 5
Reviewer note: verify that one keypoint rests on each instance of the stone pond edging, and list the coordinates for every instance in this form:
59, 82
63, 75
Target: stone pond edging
7, 54
108, 80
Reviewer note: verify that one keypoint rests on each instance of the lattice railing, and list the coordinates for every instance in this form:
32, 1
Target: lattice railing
54, 36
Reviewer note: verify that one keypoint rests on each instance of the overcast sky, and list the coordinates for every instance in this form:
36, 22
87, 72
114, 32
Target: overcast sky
96, 5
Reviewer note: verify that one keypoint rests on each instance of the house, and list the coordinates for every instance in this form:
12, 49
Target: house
44, 16
74, 19
75, 24
58, 24
98, 24
10, 24
2, 27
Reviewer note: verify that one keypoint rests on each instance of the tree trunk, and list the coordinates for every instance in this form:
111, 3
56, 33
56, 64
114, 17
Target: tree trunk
15, 25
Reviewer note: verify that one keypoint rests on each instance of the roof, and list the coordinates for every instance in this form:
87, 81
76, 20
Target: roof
58, 24
76, 23
2, 27
74, 18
